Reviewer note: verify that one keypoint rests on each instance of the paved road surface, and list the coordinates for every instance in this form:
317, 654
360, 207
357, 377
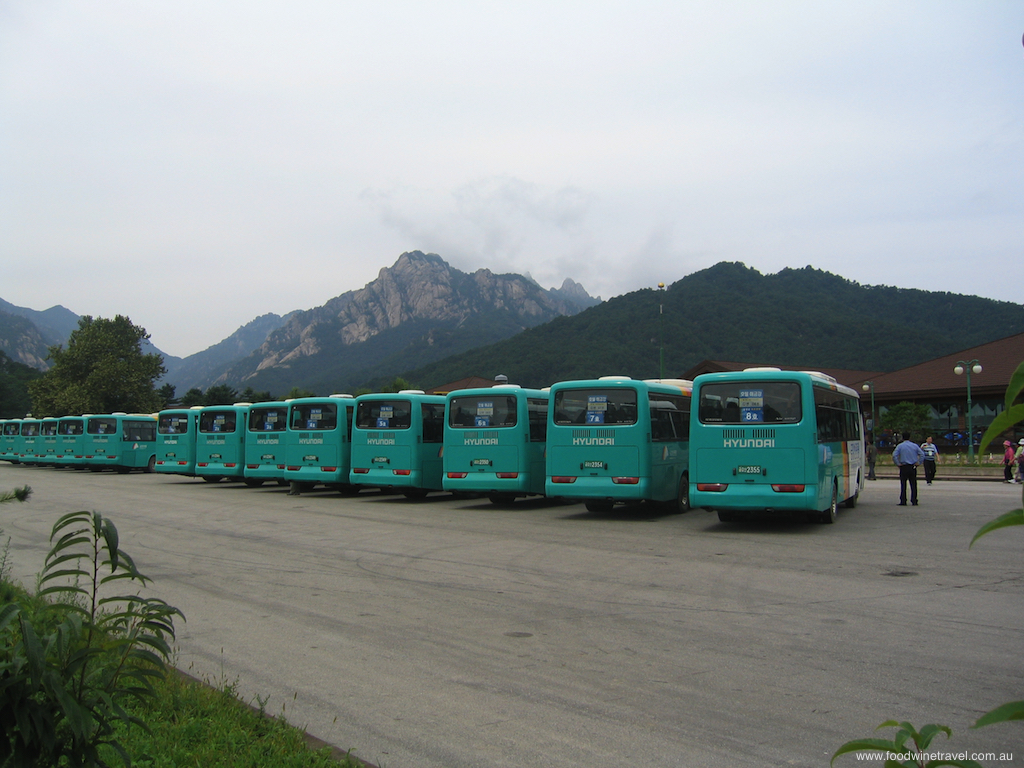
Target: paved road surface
452, 633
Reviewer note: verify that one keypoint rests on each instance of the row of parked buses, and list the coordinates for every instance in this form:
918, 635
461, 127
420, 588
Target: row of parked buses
753, 441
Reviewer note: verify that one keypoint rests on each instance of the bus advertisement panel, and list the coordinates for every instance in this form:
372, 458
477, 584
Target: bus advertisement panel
765, 440
120, 441
220, 442
265, 443
176, 430
70, 441
617, 439
398, 442
318, 445
494, 441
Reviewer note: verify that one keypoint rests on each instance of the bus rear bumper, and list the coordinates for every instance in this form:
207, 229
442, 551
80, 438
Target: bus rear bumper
760, 497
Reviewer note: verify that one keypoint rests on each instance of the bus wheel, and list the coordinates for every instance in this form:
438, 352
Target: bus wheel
212, 478
599, 506
851, 502
253, 482
683, 499
151, 465
829, 515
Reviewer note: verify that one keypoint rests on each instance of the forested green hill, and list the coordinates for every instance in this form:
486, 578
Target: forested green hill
804, 317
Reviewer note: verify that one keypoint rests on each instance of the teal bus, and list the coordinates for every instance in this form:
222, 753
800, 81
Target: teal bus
46, 445
220, 442
10, 436
398, 442
617, 439
265, 443
765, 440
120, 441
176, 430
319, 442
494, 442
71, 441
26, 443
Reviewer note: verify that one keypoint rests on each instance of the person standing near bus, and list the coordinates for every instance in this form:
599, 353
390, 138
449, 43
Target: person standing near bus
872, 456
1019, 455
931, 456
907, 456
1008, 459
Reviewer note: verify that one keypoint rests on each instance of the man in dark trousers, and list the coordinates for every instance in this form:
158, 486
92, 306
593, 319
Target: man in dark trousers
907, 456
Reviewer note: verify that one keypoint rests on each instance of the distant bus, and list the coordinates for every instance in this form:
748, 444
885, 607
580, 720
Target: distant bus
10, 436
26, 443
265, 443
70, 441
617, 439
176, 432
398, 442
120, 441
220, 442
766, 440
46, 447
319, 441
494, 441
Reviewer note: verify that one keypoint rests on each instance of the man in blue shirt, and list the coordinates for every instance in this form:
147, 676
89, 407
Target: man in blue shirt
931, 455
907, 456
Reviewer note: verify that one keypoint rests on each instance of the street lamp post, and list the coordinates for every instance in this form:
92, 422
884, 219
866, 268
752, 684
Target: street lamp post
661, 330
870, 386
971, 366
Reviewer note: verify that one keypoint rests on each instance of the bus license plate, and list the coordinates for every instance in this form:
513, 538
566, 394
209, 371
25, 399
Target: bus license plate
311, 457
480, 463
748, 470
593, 465
380, 460
215, 456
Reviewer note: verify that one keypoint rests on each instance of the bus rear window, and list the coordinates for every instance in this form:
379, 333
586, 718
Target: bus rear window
138, 431
12, 429
314, 416
750, 402
49, 429
599, 407
268, 419
384, 414
168, 424
482, 412
217, 421
71, 428
102, 426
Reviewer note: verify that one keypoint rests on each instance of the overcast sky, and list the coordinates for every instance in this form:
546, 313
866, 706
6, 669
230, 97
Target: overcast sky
196, 164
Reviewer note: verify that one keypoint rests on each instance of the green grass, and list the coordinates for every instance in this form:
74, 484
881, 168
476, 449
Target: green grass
194, 724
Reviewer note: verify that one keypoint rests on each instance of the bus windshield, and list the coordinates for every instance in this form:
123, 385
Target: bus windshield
750, 402
172, 424
608, 407
71, 428
482, 411
314, 416
273, 419
384, 414
102, 426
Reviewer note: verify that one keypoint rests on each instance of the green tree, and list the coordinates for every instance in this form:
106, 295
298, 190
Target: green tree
298, 392
102, 370
167, 398
193, 397
251, 395
14, 380
915, 418
397, 385
220, 394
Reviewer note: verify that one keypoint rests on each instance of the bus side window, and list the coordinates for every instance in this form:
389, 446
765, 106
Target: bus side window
433, 422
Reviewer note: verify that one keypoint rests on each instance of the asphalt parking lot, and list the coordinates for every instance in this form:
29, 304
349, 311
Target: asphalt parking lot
450, 632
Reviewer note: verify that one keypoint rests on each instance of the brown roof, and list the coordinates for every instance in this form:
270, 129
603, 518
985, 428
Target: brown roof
845, 377
935, 378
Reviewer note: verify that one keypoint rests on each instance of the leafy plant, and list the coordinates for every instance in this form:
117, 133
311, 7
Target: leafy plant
915, 418
64, 684
907, 748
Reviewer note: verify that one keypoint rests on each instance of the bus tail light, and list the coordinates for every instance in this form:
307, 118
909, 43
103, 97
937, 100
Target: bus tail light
457, 475
252, 466
788, 488
712, 487
293, 469
160, 462
507, 475
361, 470
182, 463
402, 471
626, 480
232, 465
328, 469
563, 479
202, 464
279, 466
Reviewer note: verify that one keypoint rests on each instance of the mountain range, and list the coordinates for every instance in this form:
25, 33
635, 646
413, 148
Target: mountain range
433, 324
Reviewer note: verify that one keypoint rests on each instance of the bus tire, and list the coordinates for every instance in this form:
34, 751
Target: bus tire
682, 503
253, 482
829, 515
599, 505
151, 465
851, 502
